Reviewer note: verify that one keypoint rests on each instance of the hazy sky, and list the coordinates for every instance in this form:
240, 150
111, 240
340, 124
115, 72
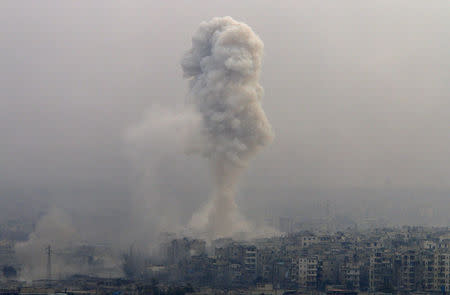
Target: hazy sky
358, 93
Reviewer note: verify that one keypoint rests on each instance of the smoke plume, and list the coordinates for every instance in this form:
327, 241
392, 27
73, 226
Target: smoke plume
166, 135
69, 253
223, 67
53, 229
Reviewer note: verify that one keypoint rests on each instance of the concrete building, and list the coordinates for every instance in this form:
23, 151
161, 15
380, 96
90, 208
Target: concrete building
265, 261
442, 271
409, 271
308, 272
427, 263
381, 271
250, 261
350, 274
182, 249
309, 240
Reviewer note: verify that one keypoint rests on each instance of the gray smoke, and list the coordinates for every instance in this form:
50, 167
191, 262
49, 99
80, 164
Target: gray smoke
70, 254
223, 67
55, 229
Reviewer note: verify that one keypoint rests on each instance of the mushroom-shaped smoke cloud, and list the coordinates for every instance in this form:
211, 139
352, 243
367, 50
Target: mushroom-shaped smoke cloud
223, 67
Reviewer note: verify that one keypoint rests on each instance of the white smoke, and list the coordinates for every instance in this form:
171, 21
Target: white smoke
54, 229
223, 67
154, 142
57, 230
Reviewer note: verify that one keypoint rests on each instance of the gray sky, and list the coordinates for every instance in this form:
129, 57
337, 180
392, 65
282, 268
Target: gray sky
357, 93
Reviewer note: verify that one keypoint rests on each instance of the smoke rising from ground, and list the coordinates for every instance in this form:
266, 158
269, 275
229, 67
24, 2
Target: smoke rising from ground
223, 67
166, 135
55, 229
70, 254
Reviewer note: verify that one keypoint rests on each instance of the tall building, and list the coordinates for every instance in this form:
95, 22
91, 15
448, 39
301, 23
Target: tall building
309, 240
182, 249
350, 274
381, 271
442, 271
250, 261
427, 263
409, 271
308, 272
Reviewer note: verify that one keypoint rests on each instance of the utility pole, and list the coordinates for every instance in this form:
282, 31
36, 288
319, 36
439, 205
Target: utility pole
49, 263
328, 216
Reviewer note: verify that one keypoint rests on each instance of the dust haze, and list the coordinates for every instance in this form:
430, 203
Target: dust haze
93, 115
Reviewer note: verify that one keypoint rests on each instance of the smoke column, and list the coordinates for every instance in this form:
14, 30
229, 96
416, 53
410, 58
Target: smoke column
223, 67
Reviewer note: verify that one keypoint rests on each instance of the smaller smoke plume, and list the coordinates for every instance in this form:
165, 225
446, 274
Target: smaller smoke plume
69, 255
154, 144
223, 67
54, 229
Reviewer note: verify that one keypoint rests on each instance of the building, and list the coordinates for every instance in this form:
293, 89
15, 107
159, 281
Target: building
409, 271
350, 275
182, 249
309, 240
427, 263
442, 271
250, 261
381, 272
308, 272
